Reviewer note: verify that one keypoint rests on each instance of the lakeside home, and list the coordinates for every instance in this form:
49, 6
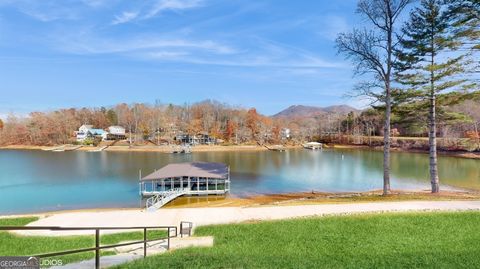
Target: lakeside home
87, 131
197, 139
115, 133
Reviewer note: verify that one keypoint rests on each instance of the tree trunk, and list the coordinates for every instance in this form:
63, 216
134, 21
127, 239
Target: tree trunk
432, 134
388, 108
433, 146
386, 146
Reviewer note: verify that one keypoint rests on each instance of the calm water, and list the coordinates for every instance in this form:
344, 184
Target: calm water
41, 181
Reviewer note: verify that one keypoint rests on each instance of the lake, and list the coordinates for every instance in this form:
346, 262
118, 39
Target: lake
34, 181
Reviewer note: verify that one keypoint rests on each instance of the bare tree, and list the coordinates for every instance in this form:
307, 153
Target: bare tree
372, 50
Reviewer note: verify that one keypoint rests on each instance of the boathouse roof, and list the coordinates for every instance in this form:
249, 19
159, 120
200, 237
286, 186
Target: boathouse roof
193, 169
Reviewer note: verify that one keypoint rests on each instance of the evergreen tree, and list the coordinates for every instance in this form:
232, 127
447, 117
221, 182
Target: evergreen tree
427, 62
464, 16
464, 19
112, 117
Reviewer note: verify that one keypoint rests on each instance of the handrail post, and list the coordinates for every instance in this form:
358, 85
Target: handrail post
144, 242
97, 250
168, 236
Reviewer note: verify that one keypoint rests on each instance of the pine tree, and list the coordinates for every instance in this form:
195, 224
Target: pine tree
464, 19
464, 16
427, 62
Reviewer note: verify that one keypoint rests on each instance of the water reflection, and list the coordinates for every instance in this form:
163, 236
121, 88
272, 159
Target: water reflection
39, 181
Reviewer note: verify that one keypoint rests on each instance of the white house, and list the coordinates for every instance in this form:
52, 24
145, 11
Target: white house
114, 133
87, 131
82, 132
116, 130
285, 133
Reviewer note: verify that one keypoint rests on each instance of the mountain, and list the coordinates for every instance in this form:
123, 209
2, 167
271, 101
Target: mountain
300, 111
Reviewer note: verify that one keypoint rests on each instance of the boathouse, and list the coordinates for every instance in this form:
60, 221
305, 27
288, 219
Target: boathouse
178, 179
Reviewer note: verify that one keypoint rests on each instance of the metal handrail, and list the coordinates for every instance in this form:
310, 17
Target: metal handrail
154, 200
97, 230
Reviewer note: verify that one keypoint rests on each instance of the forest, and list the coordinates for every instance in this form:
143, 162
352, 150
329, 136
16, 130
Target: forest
234, 125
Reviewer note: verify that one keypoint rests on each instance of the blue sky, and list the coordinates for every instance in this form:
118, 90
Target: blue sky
268, 54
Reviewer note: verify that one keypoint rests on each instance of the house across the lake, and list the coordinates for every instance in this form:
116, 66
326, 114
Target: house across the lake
285, 133
178, 179
87, 131
115, 133
198, 139
82, 132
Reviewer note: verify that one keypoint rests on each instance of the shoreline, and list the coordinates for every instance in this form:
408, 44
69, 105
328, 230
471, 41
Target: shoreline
458, 154
282, 199
239, 148
148, 148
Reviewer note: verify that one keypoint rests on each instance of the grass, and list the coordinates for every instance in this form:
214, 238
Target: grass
407, 240
16, 245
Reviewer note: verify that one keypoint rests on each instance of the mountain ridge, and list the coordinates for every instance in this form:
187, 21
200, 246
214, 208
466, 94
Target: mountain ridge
311, 111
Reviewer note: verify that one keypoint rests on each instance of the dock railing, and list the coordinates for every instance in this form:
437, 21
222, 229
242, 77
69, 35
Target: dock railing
158, 200
98, 246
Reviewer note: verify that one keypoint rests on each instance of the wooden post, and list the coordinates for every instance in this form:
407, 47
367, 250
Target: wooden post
144, 242
168, 236
97, 251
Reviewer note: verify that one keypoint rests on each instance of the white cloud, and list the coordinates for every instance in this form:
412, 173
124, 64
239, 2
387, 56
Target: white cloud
83, 44
163, 5
159, 6
125, 17
174, 48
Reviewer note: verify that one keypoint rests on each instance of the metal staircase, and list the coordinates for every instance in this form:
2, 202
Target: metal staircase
157, 201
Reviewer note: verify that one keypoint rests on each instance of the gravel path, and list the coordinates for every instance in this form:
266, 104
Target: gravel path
224, 215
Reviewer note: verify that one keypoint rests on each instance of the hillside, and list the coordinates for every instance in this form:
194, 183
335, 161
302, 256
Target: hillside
300, 111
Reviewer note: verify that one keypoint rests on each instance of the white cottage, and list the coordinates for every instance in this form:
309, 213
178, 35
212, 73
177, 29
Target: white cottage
82, 132
115, 133
116, 130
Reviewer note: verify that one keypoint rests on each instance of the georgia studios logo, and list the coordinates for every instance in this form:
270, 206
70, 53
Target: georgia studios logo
33, 262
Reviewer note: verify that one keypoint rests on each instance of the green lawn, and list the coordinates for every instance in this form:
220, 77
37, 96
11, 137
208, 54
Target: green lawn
407, 240
14, 245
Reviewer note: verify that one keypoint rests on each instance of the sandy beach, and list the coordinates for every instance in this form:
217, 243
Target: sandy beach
225, 215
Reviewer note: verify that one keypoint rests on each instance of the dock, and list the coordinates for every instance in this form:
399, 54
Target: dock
179, 179
313, 145
62, 148
99, 149
73, 148
182, 149
279, 148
